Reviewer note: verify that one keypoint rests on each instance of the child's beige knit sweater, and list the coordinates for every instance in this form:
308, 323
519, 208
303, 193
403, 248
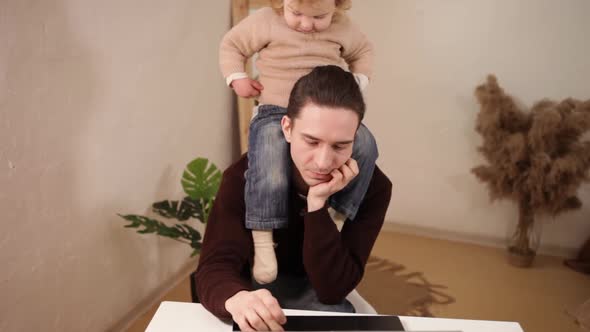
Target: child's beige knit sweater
285, 54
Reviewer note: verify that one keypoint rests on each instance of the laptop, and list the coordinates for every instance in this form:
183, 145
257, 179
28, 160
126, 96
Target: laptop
381, 323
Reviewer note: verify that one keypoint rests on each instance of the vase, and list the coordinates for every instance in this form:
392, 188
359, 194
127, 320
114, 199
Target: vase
525, 238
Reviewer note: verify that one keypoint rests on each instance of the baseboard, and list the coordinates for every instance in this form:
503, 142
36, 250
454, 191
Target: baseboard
142, 307
488, 241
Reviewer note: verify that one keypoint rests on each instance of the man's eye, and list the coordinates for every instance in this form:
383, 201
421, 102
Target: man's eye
320, 17
296, 14
339, 147
312, 143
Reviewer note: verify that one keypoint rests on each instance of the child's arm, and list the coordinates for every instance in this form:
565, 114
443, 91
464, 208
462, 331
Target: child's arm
240, 43
358, 54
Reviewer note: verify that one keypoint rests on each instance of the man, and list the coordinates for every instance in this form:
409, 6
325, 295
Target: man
318, 264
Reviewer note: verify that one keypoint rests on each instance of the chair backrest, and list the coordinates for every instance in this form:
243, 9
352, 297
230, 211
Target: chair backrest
194, 295
361, 306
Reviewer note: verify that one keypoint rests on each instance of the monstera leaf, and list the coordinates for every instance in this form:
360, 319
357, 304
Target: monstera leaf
182, 211
201, 179
178, 232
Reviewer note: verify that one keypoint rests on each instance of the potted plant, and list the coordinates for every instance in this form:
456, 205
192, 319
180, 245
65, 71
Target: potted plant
200, 182
536, 159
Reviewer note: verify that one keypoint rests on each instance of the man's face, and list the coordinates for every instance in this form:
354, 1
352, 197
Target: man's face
321, 140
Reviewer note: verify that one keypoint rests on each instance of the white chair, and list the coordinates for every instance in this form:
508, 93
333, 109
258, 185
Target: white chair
360, 305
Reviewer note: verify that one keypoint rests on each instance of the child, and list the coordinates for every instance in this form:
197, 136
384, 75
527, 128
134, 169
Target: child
291, 39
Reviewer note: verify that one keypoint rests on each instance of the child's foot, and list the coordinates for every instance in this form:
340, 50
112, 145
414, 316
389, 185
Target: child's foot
265, 260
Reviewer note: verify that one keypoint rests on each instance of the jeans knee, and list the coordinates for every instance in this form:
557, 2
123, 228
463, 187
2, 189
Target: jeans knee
365, 145
277, 181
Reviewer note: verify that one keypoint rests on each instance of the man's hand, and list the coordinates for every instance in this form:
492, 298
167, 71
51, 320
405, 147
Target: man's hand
246, 87
318, 194
256, 311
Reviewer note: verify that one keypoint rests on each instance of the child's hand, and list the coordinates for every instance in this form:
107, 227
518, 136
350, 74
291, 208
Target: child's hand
246, 87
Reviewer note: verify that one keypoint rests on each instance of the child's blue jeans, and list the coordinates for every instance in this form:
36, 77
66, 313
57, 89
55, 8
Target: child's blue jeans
269, 172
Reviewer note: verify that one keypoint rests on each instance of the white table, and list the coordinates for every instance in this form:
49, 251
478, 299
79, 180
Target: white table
191, 317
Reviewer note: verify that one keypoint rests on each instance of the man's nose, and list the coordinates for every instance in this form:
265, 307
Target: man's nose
324, 160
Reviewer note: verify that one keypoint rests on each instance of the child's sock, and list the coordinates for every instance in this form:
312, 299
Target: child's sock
265, 260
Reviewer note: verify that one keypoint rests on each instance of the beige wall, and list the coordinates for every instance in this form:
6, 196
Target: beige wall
102, 103
430, 56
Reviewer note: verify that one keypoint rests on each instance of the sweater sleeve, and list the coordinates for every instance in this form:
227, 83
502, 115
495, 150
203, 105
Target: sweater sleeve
335, 261
243, 40
357, 50
225, 254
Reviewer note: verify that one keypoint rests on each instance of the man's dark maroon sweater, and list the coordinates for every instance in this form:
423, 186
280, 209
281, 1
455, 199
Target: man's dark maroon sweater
311, 245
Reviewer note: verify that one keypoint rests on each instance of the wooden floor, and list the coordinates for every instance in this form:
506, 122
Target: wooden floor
483, 284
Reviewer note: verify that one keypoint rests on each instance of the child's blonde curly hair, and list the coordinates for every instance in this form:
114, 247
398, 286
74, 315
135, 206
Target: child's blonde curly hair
341, 5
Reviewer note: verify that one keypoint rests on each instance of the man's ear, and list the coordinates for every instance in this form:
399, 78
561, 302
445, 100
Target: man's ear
287, 126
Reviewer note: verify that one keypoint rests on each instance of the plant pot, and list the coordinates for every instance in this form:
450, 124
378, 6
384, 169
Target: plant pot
524, 241
519, 259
